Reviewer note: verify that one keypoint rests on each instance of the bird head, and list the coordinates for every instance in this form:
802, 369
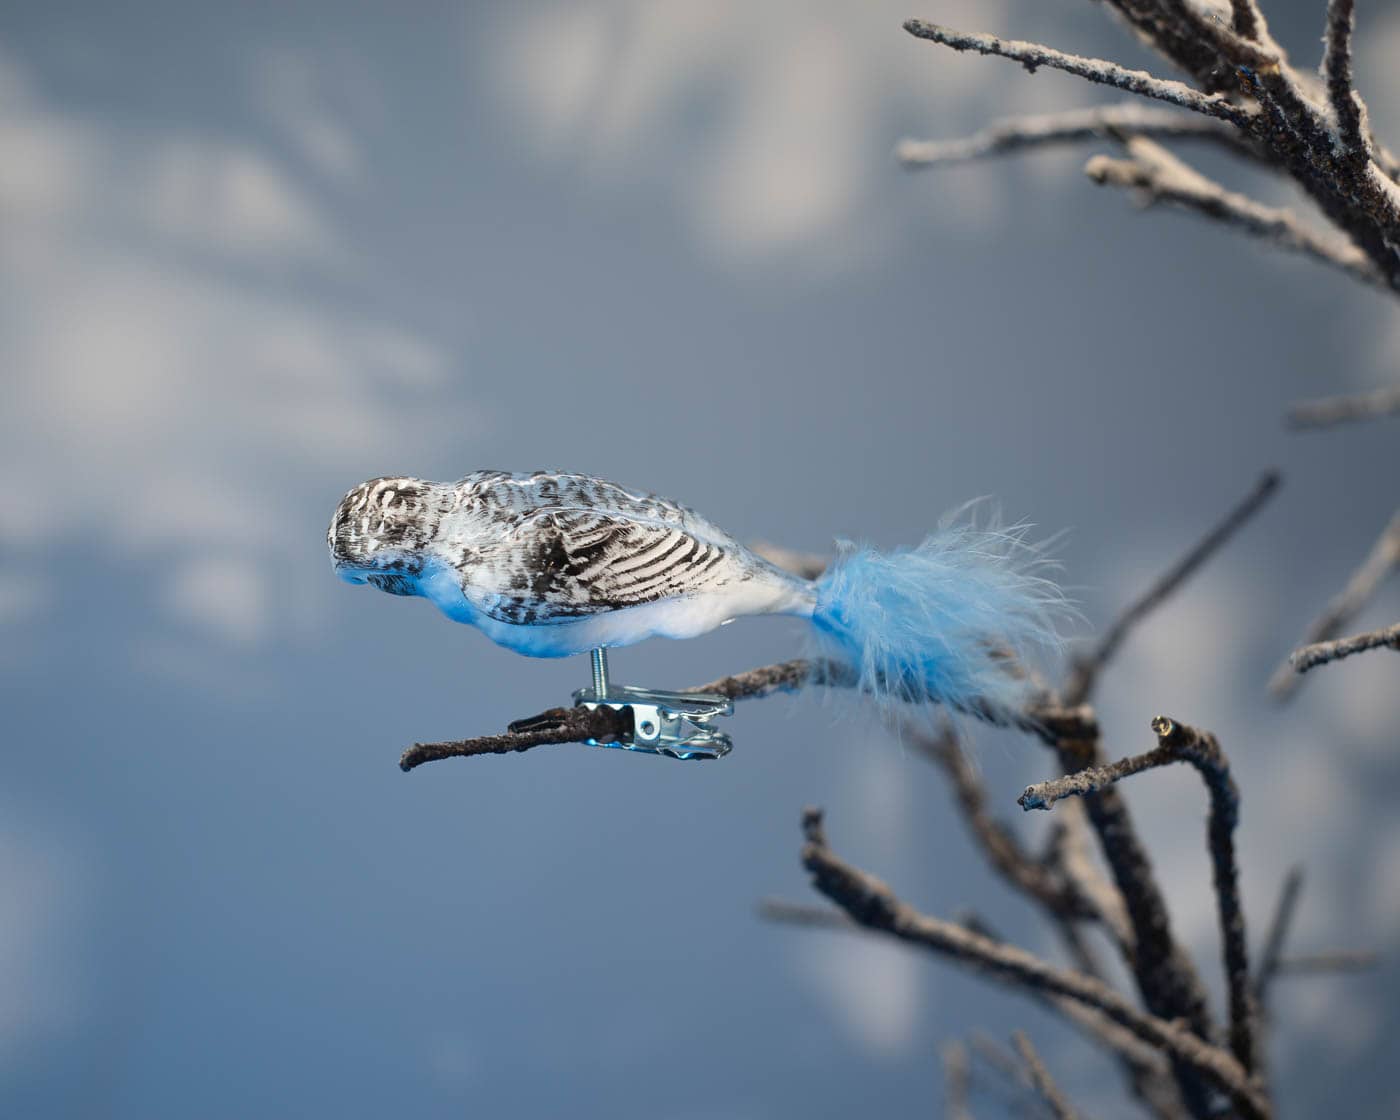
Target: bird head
379, 531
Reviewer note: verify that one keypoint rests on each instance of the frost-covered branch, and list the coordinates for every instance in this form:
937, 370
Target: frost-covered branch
1243, 77
1017, 134
1035, 55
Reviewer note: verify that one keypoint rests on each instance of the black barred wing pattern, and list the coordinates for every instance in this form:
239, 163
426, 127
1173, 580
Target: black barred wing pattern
569, 562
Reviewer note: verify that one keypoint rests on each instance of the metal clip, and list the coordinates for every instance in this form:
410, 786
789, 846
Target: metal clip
673, 724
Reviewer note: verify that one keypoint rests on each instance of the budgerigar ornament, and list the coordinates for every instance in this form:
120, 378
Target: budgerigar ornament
551, 564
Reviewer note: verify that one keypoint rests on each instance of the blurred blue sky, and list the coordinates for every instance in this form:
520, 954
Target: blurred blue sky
253, 254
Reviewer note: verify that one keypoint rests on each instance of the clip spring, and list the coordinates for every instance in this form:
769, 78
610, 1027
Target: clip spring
671, 724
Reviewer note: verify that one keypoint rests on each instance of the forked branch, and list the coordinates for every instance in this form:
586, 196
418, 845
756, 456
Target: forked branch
871, 903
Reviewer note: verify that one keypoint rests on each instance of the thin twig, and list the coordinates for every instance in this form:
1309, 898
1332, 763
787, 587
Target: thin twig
557, 725
1035, 55
1067, 853
1180, 743
785, 676
1279, 926
1336, 69
1158, 176
1011, 1074
1322, 653
872, 903
1040, 1077
1383, 559
808, 565
1087, 669
956, 1077
1165, 975
1338, 960
1248, 19
804, 914
1004, 851
1327, 411
1015, 134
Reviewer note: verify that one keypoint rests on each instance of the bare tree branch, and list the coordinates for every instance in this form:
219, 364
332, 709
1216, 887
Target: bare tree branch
1383, 559
1040, 1077
1158, 176
1328, 411
1087, 669
870, 902
1034, 55
1322, 653
1016, 134
1179, 743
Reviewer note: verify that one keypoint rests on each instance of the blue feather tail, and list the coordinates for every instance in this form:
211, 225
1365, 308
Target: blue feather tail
946, 622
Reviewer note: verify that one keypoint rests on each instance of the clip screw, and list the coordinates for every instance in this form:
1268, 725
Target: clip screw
599, 658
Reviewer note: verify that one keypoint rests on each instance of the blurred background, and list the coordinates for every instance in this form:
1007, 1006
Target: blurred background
252, 254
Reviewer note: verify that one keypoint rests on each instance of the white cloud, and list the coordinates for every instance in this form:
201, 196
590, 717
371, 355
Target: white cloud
771, 123
168, 395
873, 987
222, 594
61, 174
228, 197
297, 92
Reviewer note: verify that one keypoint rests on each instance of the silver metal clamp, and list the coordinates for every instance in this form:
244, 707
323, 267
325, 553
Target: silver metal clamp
672, 724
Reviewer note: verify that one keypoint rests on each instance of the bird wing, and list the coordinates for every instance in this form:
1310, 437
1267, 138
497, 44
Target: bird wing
561, 563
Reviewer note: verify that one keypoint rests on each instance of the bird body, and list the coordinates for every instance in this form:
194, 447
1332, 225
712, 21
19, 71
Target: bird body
551, 564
